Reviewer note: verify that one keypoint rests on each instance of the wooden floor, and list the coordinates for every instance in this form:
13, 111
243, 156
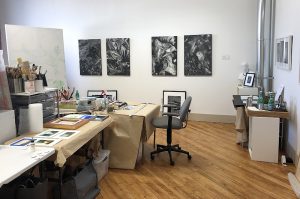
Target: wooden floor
219, 169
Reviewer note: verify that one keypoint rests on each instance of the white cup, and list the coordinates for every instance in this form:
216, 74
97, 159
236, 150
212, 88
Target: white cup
38, 84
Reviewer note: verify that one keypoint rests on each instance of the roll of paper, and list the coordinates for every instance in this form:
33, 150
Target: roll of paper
23, 121
38, 84
35, 117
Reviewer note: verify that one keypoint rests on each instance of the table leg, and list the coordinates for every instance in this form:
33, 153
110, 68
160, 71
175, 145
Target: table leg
154, 137
41, 170
102, 139
60, 181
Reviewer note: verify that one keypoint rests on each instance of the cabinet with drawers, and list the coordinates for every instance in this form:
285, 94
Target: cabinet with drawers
48, 99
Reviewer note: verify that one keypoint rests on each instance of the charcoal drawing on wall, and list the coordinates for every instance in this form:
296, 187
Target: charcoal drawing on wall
118, 56
164, 56
90, 57
198, 55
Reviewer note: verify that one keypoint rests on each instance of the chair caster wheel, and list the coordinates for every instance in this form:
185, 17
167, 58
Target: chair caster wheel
189, 157
152, 157
172, 163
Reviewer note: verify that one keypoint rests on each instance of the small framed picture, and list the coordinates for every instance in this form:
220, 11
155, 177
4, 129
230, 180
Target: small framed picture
283, 52
173, 97
67, 134
46, 141
249, 79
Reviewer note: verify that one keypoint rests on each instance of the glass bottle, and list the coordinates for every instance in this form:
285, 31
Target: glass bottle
260, 100
271, 101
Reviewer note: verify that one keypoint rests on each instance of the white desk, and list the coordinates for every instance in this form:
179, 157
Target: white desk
16, 160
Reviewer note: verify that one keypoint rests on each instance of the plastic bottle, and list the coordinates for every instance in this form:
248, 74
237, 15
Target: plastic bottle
105, 102
260, 100
77, 95
271, 101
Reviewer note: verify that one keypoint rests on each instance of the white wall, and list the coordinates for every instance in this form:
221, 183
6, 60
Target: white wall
232, 23
287, 23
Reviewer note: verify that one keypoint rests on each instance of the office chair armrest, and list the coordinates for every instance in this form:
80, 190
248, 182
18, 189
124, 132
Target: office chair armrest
170, 105
171, 114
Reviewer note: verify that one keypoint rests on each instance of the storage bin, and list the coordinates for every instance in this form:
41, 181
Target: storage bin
101, 163
83, 185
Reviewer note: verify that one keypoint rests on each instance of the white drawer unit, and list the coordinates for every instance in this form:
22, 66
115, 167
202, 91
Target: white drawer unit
264, 133
264, 138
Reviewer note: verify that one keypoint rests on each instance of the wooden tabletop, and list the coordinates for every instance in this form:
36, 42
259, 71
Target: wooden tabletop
254, 112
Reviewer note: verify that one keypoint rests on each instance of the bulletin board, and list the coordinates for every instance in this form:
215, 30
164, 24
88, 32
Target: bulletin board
40, 46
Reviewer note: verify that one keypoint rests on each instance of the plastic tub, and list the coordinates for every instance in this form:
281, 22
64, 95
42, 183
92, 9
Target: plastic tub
101, 163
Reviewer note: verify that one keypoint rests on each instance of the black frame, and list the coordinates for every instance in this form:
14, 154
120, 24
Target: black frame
167, 93
249, 79
99, 94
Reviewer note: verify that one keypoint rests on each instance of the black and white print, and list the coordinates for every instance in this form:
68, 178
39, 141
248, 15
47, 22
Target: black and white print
198, 55
118, 56
164, 56
90, 57
284, 52
173, 97
175, 100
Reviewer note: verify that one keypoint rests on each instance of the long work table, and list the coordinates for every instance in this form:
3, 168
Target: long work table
125, 132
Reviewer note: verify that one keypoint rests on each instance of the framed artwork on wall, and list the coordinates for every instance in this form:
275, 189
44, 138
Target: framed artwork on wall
90, 57
249, 79
173, 97
118, 56
198, 55
164, 56
0, 40
283, 49
110, 94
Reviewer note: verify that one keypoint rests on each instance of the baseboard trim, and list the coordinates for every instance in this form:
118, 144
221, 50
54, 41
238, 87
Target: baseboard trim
212, 118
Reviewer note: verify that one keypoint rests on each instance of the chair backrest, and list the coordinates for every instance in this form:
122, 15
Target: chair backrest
185, 109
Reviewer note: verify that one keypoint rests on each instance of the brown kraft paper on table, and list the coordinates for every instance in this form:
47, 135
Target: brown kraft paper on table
124, 135
149, 112
67, 147
122, 138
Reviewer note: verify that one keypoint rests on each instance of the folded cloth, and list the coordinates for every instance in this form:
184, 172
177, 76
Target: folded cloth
241, 125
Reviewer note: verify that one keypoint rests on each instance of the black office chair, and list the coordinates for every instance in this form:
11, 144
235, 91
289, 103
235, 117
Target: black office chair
169, 121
